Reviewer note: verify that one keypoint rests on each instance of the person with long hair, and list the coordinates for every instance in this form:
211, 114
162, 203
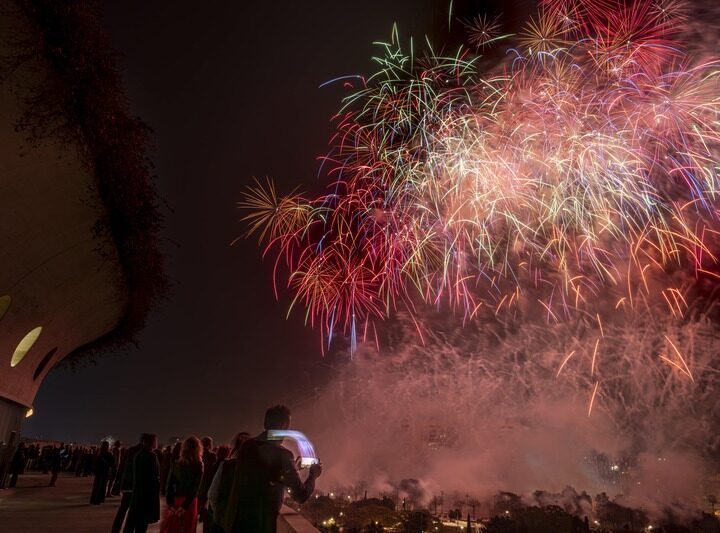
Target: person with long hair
182, 489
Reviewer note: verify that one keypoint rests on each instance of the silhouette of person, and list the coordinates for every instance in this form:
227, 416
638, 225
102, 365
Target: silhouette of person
208, 520
166, 462
116, 453
55, 464
17, 464
209, 459
125, 474
145, 501
104, 463
264, 471
183, 485
221, 485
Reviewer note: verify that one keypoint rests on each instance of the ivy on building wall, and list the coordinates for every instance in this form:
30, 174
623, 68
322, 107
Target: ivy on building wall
78, 100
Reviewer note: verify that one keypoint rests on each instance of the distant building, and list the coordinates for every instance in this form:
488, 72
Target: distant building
79, 263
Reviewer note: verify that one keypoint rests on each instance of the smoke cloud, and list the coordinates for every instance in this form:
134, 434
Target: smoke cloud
478, 410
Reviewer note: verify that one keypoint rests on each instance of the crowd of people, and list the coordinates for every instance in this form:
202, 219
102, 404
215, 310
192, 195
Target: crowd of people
236, 488
55, 458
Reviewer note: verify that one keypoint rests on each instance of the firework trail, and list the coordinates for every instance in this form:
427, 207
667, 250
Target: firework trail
585, 166
478, 409
563, 204
573, 186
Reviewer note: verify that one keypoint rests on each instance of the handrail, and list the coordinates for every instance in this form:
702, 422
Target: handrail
290, 521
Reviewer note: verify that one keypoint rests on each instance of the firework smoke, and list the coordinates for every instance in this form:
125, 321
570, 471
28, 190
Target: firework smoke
559, 212
483, 410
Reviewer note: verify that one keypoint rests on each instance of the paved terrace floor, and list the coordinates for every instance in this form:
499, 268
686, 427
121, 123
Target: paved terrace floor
34, 507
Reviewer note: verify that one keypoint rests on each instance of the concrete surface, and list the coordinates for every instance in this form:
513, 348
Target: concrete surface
290, 521
34, 507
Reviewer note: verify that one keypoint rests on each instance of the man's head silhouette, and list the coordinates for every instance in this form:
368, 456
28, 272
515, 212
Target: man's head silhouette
277, 417
148, 441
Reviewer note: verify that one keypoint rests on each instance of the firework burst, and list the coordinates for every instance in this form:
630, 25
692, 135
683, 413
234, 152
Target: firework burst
580, 174
483, 31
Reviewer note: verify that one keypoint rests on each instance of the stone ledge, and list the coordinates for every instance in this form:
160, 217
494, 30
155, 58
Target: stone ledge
290, 521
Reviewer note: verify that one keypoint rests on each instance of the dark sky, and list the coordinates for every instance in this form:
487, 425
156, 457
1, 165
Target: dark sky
231, 91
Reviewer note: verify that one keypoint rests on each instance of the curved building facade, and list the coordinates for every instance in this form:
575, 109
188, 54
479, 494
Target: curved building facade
68, 236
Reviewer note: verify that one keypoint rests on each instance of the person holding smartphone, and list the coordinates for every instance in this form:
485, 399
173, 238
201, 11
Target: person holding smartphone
264, 471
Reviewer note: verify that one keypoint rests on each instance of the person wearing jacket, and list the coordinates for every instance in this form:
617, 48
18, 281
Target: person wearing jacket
145, 501
221, 485
264, 471
183, 487
104, 464
125, 483
17, 464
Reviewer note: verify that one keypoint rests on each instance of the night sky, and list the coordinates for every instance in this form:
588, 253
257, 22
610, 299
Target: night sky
231, 92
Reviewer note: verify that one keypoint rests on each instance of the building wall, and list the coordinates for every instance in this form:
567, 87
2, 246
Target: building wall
58, 271
11, 417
